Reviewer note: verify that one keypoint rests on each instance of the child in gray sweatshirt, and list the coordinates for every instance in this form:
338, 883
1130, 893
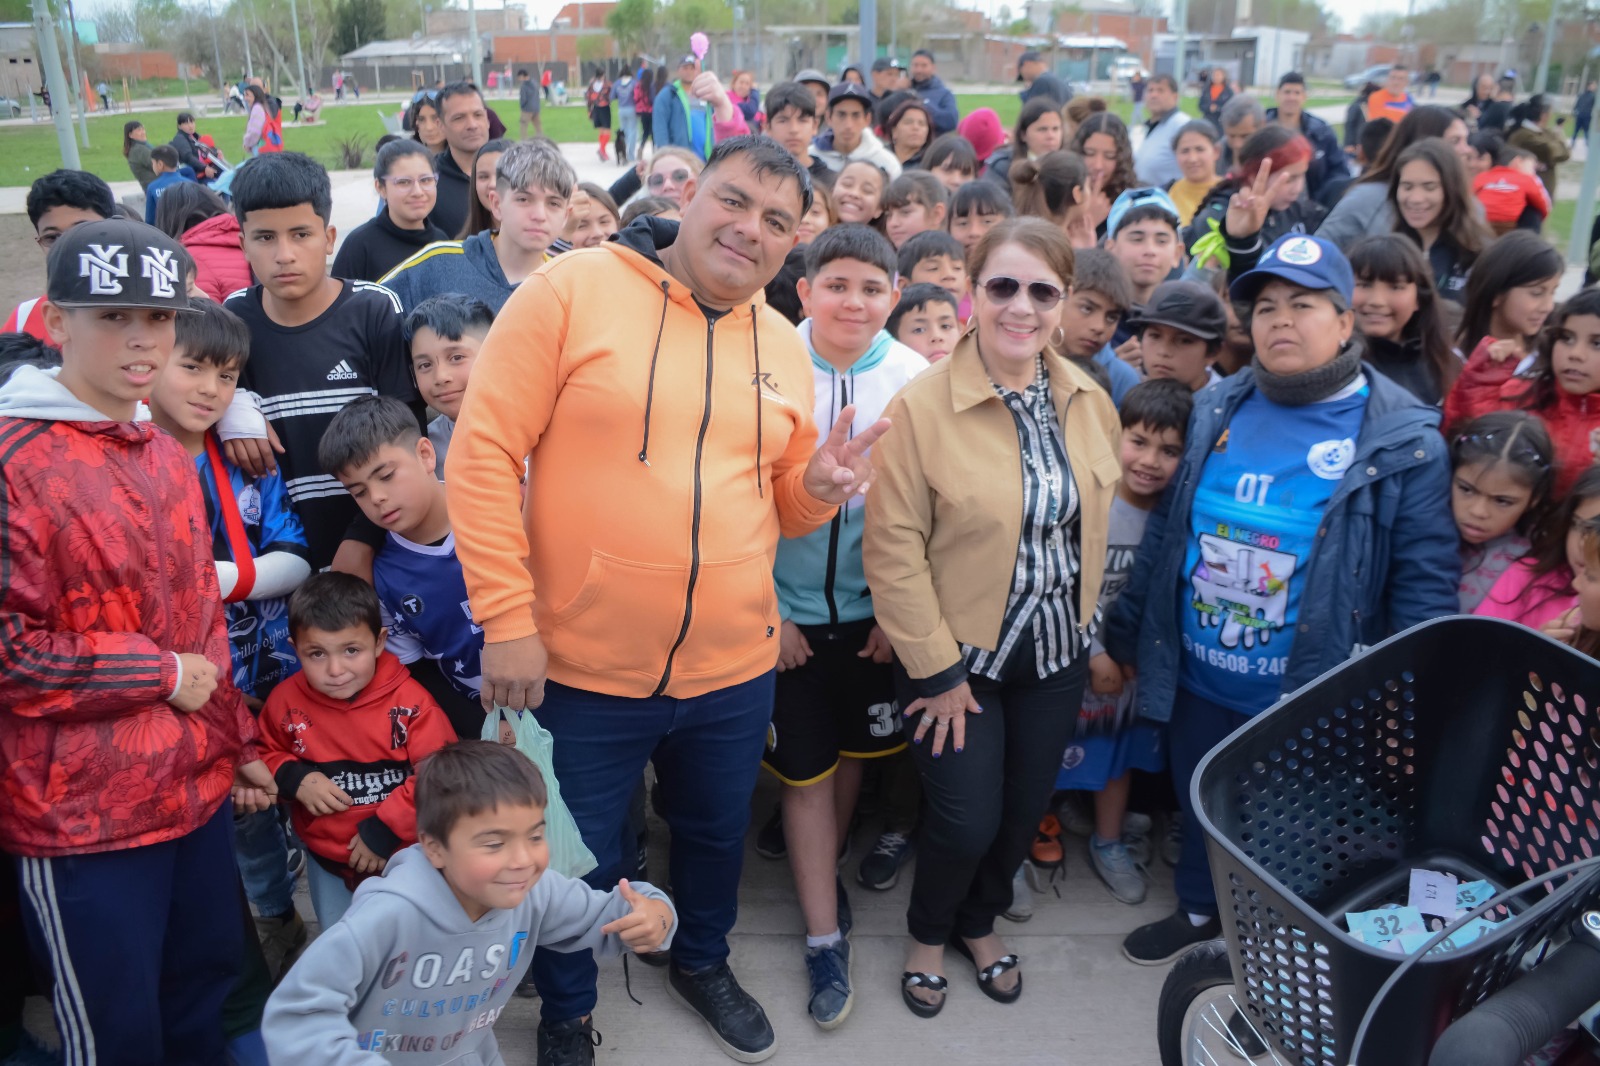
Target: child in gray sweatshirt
427, 956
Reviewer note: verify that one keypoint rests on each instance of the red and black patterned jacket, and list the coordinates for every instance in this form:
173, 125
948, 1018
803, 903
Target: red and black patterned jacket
105, 573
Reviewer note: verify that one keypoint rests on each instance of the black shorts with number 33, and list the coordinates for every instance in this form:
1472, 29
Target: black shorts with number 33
837, 705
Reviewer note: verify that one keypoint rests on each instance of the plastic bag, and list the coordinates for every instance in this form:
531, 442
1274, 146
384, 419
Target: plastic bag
568, 853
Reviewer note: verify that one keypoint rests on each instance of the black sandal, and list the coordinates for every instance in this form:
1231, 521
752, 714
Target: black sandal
933, 983
987, 974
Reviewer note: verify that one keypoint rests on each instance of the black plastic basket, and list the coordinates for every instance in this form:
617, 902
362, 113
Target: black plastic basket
1466, 745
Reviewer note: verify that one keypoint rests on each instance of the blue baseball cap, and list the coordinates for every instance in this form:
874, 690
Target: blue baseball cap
1310, 262
1146, 197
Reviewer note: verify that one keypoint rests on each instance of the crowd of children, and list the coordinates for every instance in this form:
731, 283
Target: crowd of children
265, 661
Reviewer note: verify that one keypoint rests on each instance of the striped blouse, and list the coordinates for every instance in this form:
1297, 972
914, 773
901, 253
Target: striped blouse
1041, 606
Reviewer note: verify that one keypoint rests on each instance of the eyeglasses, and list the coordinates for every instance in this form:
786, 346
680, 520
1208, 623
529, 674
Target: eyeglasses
47, 240
404, 185
1002, 290
679, 177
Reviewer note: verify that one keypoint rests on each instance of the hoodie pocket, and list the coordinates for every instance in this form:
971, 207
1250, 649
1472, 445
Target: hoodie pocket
624, 618
735, 618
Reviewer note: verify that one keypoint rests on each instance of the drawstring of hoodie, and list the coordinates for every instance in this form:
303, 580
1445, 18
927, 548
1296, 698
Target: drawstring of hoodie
755, 340
650, 390
846, 397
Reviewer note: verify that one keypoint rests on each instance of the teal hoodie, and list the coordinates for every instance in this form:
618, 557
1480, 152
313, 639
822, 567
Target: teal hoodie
819, 576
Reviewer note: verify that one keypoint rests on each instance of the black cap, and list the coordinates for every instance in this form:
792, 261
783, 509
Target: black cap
690, 60
849, 90
1029, 56
883, 63
1186, 305
118, 263
810, 75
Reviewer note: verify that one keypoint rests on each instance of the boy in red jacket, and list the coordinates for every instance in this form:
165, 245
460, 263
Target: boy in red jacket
121, 734
343, 738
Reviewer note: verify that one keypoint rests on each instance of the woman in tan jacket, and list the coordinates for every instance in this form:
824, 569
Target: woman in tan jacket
985, 544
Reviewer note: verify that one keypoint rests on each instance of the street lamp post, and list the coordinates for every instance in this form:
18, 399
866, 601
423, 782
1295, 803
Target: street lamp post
1542, 79
69, 37
216, 49
299, 52
44, 28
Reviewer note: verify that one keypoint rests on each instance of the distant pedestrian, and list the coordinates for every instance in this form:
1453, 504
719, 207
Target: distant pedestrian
528, 105
104, 92
1582, 113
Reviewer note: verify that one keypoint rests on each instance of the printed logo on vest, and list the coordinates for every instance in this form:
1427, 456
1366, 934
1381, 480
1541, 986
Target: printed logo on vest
1329, 459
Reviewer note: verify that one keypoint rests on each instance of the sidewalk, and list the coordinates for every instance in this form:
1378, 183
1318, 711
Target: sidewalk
1082, 1002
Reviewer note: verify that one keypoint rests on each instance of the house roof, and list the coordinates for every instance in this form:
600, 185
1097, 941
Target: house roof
409, 47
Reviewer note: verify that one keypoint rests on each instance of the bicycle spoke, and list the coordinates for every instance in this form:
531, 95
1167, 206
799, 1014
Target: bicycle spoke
1257, 1033
1227, 1036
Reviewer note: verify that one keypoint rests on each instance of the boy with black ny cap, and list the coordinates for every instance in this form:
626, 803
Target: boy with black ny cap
849, 137
121, 729
1180, 331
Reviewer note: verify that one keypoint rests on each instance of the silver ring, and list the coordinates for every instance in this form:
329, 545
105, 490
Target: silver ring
927, 719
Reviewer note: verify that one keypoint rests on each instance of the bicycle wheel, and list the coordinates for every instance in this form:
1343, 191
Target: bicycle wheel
1200, 1020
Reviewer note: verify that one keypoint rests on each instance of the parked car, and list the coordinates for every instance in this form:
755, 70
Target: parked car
1376, 75
10, 107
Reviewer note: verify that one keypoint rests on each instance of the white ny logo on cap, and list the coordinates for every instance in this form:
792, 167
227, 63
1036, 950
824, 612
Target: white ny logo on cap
103, 264
162, 270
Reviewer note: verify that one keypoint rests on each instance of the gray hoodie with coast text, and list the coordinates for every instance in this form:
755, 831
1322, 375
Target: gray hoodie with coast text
405, 977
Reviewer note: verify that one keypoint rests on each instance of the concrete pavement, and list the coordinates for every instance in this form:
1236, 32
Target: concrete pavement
1082, 1003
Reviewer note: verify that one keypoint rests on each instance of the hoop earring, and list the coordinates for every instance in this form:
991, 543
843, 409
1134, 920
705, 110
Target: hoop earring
1058, 338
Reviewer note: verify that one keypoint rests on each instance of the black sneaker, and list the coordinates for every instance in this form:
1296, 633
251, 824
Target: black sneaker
735, 1019
770, 843
1160, 942
567, 1043
881, 868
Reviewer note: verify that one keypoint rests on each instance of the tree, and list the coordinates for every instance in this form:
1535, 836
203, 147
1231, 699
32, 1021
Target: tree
633, 24
686, 17
115, 24
156, 20
357, 22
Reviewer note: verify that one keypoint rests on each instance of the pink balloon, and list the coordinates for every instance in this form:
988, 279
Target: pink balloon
699, 45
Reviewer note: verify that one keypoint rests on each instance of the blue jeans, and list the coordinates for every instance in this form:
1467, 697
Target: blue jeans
329, 896
262, 852
707, 751
1197, 726
630, 131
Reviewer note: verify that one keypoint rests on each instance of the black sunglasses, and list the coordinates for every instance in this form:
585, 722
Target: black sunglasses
1002, 290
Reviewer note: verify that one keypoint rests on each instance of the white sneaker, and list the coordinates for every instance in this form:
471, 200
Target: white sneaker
1021, 908
1118, 870
1136, 836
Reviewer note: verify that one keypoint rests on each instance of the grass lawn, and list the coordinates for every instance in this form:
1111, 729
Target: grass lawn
26, 151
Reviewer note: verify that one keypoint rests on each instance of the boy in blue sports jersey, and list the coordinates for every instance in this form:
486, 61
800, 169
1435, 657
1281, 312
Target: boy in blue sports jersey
261, 556
834, 704
376, 450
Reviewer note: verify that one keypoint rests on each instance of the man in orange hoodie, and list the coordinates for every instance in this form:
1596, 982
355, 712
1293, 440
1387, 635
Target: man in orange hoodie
664, 415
